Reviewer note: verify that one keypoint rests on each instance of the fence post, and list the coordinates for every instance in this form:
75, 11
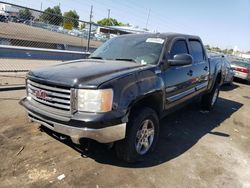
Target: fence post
90, 23
89, 36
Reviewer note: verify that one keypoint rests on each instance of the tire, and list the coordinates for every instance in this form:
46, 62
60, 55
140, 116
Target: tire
209, 100
230, 83
133, 147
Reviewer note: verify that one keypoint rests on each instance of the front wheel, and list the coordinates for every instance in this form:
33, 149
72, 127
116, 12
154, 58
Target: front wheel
209, 100
141, 136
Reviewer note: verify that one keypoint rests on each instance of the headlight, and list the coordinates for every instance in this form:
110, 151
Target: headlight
95, 100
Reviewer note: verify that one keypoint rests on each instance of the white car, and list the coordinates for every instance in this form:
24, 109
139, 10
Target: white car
241, 70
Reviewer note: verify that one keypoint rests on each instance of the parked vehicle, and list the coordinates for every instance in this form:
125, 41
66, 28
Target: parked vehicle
13, 19
241, 70
3, 18
121, 92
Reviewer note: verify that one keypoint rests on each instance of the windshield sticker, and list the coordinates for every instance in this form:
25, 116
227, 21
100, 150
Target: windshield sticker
155, 40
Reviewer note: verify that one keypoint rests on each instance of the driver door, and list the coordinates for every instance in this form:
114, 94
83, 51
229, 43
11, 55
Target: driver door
179, 80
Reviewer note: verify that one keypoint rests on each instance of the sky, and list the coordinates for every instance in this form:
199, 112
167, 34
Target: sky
220, 23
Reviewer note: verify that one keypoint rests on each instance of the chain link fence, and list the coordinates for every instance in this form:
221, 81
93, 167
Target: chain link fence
22, 26
31, 39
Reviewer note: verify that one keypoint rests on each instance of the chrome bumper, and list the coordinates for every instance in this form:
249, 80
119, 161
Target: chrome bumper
103, 135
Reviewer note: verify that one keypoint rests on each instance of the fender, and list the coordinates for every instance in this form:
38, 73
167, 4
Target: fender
135, 87
215, 70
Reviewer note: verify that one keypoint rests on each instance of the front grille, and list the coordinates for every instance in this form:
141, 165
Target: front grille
52, 97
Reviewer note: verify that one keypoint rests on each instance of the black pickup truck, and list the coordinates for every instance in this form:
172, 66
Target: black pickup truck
119, 94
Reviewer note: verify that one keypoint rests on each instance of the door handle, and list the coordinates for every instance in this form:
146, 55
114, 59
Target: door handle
190, 73
206, 68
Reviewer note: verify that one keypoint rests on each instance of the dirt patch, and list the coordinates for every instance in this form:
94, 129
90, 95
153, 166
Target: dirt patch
195, 149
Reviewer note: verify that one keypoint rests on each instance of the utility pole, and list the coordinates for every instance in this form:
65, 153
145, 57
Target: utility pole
109, 22
148, 18
41, 7
108, 15
90, 23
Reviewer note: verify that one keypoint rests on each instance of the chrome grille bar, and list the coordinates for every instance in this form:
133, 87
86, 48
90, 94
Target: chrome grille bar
55, 99
48, 87
30, 87
48, 103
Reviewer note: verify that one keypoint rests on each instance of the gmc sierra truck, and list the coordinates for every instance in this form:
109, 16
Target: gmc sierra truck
119, 94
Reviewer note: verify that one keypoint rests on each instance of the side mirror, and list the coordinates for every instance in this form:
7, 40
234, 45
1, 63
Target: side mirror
181, 59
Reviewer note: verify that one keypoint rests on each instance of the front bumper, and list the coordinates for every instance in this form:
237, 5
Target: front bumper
106, 134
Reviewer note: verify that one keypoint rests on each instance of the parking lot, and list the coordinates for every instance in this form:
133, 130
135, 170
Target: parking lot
19, 31
195, 149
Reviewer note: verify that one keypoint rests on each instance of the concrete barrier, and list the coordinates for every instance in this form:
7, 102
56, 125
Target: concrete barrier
20, 52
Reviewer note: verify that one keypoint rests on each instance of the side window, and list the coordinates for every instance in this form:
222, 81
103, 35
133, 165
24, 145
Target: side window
197, 51
179, 47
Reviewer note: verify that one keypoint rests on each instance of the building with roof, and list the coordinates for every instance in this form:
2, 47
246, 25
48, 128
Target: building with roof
7, 10
243, 55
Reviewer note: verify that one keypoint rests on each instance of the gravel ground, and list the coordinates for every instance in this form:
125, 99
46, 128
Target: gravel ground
195, 149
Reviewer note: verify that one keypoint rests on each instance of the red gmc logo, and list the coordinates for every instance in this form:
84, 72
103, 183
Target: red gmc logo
40, 94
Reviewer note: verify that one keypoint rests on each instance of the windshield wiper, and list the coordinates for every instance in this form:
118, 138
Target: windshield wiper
125, 59
96, 58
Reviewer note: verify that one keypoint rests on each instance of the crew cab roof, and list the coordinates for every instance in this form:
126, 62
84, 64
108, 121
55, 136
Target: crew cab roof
163, 35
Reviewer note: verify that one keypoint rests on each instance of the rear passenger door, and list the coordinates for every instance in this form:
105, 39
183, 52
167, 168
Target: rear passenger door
178, 79
200, 65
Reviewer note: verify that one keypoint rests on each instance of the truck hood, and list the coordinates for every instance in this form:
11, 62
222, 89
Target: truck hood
84, 73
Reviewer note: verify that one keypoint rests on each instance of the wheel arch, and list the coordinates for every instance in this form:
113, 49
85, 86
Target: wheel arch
151, 100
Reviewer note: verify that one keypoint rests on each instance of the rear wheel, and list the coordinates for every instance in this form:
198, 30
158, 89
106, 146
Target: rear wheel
209, 100
141, 136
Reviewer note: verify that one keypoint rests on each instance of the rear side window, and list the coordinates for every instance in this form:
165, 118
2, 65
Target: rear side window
179, 47
197, 51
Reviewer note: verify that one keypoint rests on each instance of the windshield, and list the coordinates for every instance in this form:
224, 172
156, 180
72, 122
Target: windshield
140, 49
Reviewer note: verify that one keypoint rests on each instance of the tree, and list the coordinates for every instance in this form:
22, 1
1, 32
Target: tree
82, 26
72, 14
207, 47
230, 51
52, 16
109, 22
216, 49
121, 24
25, 14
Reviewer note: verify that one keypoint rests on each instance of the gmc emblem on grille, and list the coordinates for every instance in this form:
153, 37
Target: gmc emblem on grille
40, 94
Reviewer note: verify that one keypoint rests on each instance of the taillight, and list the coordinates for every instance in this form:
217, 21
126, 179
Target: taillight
245, 70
